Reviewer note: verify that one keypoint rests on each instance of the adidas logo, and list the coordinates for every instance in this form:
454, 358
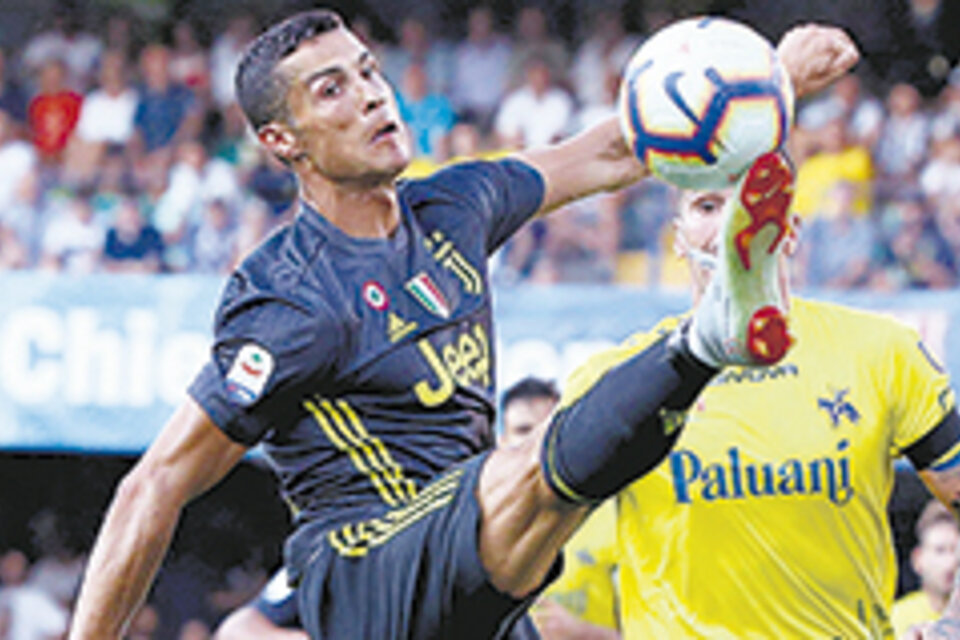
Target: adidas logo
398, 328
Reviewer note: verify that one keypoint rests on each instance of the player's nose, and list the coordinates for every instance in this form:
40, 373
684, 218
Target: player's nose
372, 96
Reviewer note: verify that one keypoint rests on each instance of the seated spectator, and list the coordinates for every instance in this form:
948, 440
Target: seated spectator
255, 223
13, 255
166, 112
581, 243
214, 246
132, 245
915, 256
106, 118
189, 66
417, 48
934, 560
940, 178
948, 225
533, 39
225, 55
845, 99
27, 611
53, 113
73, 240
17, 160
535, 114
64, 41
837, 247
430, 116
837, 158
145, 624
605, 52
480, 69
902, 146
194, 630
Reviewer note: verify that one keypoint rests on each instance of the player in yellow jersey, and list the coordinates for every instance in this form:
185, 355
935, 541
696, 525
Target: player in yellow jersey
768, 519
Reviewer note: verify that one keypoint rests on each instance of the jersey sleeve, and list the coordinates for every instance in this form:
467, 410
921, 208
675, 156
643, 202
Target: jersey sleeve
924, 416
504, 193
266, 350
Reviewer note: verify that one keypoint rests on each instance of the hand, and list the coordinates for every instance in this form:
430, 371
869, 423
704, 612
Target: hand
815, 55
556, 623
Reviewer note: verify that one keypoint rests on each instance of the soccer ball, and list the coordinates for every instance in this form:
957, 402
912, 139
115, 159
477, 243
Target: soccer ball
702, 99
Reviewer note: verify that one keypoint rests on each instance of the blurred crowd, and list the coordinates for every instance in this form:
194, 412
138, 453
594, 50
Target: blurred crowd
127, 154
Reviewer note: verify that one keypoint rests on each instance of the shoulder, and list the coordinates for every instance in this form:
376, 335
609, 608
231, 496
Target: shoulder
281, 284
466, 181
839, 318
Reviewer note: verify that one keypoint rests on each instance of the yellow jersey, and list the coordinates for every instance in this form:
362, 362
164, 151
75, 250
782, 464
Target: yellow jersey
913, 608
768, 519
587, 587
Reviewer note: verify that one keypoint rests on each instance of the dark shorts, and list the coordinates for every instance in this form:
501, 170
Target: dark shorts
414, 573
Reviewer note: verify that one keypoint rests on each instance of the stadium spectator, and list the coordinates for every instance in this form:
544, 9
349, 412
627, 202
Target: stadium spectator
58, 568
214, 247
484, 54
73, 241
948, 226
30, 613
429, 115
189, 66
18, 159
145, 624
903, 140
67, 43
940, 178
537, 113
533, 39
838, 245
913, 254
256, 222
863, 114
934, 559
945, 121
106, 119
604, 53
166, 112
224, 56
417, 47
53, 112
132, 245
580, 245
195, 630
837, 158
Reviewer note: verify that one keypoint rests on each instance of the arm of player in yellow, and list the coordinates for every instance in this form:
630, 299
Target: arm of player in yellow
188, 457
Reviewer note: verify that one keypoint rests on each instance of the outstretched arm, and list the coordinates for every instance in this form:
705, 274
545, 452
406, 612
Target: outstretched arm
598, 159
188, 457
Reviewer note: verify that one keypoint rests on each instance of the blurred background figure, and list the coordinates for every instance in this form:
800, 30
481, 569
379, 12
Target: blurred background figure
74, 239
429, 115
913, 253
132, 244
28, 612
53, 112
480, 70
935, 561
536, 113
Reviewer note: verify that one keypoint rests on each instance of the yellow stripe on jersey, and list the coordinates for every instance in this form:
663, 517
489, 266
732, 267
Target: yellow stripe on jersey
947, 460
393, 471
555, 480
355, 540
333, 431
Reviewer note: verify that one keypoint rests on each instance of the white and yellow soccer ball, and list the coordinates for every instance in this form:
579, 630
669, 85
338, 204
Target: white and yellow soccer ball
702, 99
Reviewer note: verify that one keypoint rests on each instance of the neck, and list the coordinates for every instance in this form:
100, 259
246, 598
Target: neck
361, 212
938, 600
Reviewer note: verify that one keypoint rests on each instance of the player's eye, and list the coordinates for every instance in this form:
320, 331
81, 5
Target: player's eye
328, 88
369, 70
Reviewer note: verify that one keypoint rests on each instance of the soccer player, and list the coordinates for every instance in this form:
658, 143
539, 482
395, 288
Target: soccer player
935, 561
356, 345
768, 519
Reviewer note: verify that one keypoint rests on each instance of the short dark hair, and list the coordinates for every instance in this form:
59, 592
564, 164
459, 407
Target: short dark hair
261, 91
528, 389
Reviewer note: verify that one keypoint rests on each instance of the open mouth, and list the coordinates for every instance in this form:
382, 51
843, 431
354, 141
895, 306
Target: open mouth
386, 130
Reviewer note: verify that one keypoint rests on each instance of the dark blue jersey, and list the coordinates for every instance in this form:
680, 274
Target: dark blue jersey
365, 366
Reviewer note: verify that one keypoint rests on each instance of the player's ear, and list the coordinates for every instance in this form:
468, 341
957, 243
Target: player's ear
280, 140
